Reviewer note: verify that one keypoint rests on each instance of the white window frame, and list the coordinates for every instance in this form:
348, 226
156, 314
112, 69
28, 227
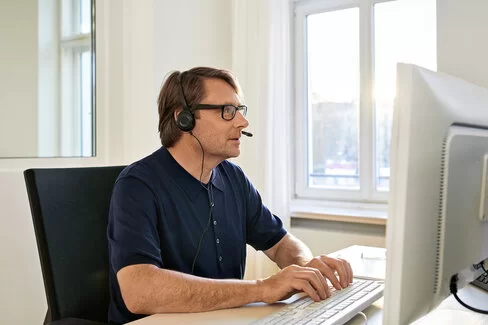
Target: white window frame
367, 194
71, 47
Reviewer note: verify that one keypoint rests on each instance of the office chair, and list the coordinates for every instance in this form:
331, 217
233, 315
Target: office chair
69, 208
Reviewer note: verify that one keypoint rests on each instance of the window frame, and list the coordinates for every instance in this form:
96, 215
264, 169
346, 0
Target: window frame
72, 45
367, 194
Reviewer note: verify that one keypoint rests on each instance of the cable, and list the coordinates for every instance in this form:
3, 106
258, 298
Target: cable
211, 203
201, 239
203, 159
364, 316
453, 289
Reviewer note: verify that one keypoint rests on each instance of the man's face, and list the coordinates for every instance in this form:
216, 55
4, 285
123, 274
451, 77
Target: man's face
220, 138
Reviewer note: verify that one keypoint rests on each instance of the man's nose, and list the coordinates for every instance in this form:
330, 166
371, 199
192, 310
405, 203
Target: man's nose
241, 120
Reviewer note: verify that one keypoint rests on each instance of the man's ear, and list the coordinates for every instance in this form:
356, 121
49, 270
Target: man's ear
176, 112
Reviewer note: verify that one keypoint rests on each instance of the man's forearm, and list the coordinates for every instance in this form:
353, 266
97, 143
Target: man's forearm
147, 289
292, 251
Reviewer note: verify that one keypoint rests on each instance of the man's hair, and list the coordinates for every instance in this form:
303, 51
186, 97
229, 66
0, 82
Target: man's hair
194, 91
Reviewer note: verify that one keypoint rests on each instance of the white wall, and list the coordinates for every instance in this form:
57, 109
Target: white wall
18, 82
191, 33
324, 237
462, 39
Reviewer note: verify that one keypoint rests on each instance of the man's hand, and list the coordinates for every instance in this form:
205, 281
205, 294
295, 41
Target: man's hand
300, 271
293, 279
337, 270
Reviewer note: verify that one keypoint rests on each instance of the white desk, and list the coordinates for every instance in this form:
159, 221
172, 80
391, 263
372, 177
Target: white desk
368, 262
241, 316
372, 265
450, 311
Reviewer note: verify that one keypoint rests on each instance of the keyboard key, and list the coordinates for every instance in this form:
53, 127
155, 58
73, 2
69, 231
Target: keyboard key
337, 309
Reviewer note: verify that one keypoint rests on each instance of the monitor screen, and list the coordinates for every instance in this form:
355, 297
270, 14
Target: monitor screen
438, 208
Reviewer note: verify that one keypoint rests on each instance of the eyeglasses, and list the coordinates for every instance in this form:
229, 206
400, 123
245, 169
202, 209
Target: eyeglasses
228, 110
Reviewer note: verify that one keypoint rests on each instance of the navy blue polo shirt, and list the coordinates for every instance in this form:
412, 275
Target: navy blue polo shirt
159, 213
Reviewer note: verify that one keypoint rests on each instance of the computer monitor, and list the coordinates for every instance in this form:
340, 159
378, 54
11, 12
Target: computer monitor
438, 208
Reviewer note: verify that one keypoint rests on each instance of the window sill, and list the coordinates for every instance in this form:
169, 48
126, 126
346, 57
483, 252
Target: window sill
362, 213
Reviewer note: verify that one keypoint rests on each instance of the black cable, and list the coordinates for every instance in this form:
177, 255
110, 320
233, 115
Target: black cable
201, 239
453, 289
210, 198
203, 159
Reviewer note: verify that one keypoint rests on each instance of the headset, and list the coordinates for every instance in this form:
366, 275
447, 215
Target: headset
185, 119
186, 122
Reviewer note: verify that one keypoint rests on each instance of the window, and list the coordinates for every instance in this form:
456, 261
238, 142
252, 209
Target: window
77, 115
345, 72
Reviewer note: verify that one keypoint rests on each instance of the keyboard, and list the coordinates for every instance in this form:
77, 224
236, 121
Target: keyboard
482, 281
338, 309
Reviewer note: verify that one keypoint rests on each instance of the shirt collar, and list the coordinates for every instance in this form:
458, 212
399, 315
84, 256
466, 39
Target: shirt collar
184, 179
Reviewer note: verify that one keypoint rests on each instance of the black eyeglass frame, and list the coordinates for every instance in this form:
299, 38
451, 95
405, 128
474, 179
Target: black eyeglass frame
240, 108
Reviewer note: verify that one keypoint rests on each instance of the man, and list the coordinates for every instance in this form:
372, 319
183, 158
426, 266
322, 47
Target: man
181, 217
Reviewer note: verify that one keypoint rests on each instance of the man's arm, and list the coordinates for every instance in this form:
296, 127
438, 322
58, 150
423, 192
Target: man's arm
290, 250
147, 289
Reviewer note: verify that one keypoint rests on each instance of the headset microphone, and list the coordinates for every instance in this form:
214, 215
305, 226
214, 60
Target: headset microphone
247, 134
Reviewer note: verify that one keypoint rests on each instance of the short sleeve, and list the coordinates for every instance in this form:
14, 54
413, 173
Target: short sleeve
263, 229
132, 229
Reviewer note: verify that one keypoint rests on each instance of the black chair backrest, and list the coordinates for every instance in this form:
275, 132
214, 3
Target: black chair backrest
69, 209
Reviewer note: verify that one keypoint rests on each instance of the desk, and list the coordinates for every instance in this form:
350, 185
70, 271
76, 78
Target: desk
244, 316
450, 312
367, 262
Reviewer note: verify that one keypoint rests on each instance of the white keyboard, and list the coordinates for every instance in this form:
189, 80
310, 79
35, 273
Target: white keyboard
339, 308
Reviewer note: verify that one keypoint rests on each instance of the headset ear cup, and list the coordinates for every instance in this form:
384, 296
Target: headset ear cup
185, 121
